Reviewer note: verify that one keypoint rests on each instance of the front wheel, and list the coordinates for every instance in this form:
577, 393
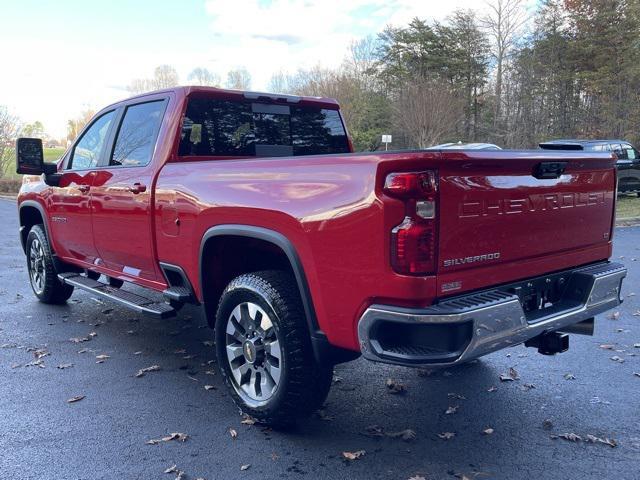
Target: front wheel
42, 272
264, 350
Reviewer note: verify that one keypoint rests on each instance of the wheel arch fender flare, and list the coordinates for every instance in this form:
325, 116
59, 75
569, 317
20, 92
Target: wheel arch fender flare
280, 241
26, 204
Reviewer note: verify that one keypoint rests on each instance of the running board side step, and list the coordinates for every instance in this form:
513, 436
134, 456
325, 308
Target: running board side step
131, 300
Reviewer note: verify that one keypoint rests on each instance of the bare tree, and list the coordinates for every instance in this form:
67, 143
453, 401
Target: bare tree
504, 23
426, 112
164, 76
279, 83
202, 76
75, 125
9, 126
239, 79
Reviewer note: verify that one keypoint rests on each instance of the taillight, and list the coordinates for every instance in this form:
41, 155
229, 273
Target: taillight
413, 242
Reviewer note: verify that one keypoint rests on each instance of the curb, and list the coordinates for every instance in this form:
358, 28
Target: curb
627, 222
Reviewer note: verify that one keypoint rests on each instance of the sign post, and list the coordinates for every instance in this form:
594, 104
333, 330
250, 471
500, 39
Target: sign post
386, 139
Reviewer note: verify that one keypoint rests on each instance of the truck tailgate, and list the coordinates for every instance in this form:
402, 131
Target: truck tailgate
495, 208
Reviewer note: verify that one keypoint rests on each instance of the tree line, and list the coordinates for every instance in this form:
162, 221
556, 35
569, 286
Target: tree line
510, 77
503, 75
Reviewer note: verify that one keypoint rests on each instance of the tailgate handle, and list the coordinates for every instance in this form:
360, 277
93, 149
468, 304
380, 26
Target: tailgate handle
545, 170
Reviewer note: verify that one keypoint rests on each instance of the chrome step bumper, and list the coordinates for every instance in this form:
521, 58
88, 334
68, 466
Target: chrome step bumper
463, 328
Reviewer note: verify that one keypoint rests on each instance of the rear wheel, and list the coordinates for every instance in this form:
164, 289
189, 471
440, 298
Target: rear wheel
264, 351
42, 272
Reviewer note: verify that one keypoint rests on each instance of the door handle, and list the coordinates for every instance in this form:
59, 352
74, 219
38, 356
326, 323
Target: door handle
138, 188
84, 188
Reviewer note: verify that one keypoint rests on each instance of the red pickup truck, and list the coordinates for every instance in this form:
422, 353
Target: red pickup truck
304, 254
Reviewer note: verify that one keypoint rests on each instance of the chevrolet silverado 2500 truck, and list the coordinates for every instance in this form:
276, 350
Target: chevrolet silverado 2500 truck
304, 254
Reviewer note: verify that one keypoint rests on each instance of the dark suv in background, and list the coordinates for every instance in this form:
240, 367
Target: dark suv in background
628, 163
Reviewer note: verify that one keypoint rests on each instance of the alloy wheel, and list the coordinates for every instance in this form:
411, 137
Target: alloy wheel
253, 352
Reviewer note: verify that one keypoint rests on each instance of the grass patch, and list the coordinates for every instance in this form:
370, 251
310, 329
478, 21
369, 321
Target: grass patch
50, 155
628, 206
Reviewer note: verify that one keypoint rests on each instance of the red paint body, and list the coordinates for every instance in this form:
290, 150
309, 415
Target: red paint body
334, 212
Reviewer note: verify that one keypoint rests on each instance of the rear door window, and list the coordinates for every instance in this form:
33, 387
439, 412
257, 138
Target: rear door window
137, 134
228, 128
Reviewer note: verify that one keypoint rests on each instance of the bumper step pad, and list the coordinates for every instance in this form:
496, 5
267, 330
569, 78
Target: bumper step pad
133, 301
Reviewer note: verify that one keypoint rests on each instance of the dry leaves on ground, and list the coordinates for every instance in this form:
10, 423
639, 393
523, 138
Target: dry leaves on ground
613, 316
351, 456
209, 387
573, 437
510, 376
446, 435
83, 339
245, 467
248, 420
182, 437
101, 358
233, 433
569, 376
451, 410
618, 359
406, 435
62, 366
40, 353
143, 371
487, 431
492, 389
75, 399
174, 469
395, 387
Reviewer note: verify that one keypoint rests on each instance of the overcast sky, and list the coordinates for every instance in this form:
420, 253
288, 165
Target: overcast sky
60, 57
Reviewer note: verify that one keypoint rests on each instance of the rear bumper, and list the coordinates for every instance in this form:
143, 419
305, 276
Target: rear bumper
463, 328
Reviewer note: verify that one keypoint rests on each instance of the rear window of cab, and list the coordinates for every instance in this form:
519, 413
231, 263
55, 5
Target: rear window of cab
213, 127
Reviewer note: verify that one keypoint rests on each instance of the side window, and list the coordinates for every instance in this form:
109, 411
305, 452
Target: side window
618, 150
632, 153
137, 134
86, 153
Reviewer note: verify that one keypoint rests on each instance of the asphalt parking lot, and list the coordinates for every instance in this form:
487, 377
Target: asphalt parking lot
493, 428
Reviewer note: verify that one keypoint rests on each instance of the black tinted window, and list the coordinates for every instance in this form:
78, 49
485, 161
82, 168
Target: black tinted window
228, 128
137, 134
86, 153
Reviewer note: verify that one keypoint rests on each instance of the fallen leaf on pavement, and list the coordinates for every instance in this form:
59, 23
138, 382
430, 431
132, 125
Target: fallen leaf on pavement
62, 366
407, 435
351, 456
528, 386
446, 435
417, 477
245, 467
613, 316
487, 431
510, 376
248, 420
143, 371
208, 343
547, 424
233, 433
636, 345
492, 389
569, 376
637, 374
75, 399
179, 473
618, 359
40, 353
607, 441
451, 410
394, 386
572, 437
608, 346
172, 436
209, 387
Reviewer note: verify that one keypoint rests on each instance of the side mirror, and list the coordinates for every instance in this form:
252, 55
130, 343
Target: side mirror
30, 158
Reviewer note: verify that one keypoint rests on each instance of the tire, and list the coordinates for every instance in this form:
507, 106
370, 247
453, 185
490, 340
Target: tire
42, 272
261, 334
